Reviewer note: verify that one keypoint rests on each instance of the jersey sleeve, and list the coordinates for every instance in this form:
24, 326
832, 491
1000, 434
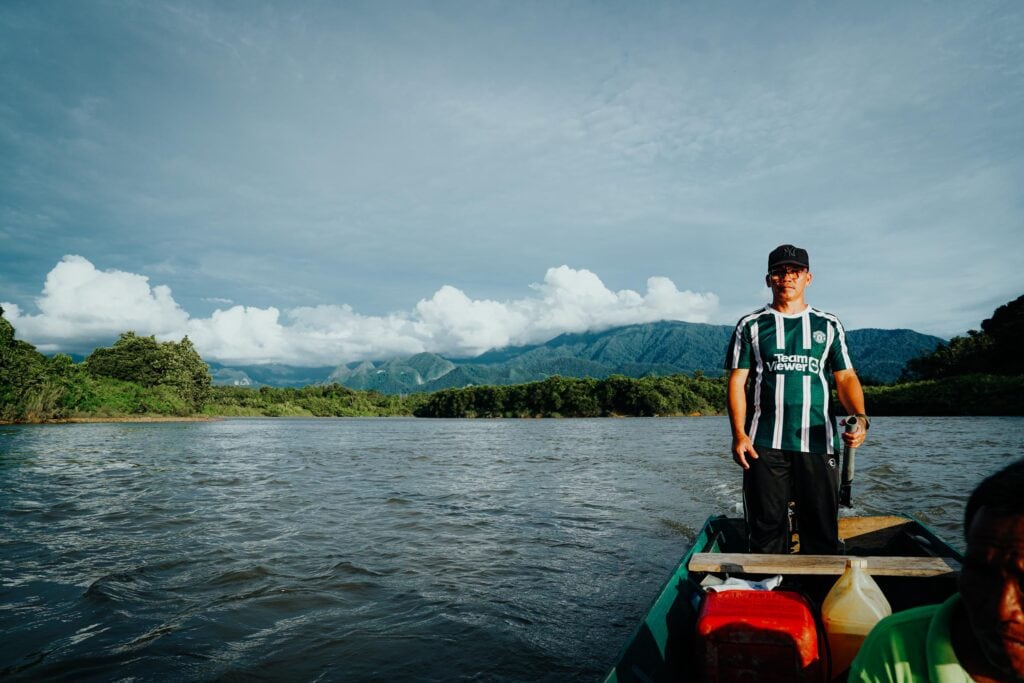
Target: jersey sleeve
839, 352
740, 354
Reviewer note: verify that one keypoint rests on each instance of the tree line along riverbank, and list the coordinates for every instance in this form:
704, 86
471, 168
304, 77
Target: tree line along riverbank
977, 374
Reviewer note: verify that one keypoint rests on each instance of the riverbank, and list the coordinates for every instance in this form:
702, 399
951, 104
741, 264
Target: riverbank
117, 418
962, 395
558, 397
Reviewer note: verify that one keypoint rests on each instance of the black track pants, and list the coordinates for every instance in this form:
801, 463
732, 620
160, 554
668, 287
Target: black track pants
809, 479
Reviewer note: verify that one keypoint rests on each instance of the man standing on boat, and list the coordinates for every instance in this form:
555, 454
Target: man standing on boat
784, 433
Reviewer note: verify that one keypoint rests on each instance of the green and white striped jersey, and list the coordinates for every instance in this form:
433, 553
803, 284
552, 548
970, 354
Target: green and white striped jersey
791, 359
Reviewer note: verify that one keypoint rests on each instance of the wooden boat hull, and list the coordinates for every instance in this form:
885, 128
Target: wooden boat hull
910, 563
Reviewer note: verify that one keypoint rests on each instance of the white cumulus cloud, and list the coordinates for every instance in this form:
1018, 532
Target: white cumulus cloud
82, 305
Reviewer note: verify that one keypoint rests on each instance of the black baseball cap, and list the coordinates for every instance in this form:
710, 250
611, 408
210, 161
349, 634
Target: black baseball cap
787, 254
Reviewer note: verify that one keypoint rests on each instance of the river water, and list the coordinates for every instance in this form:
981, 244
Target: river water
387, 549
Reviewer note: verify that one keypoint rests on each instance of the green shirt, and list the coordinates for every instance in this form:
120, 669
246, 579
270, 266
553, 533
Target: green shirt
911, 646
791, 359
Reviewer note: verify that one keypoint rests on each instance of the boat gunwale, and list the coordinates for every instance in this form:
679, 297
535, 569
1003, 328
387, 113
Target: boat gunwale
654, 618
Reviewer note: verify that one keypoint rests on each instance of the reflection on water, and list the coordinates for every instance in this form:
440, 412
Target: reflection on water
387, 549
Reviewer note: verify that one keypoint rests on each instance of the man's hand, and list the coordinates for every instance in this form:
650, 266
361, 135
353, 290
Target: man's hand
851, 396
855, 438
736, 402
742, 449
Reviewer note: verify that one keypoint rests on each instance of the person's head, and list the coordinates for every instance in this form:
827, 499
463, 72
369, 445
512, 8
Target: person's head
788, 272
992, 580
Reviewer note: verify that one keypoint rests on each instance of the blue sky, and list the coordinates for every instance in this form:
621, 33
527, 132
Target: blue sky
320, 182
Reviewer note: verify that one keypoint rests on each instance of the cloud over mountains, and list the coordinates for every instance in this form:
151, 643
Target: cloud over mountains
82, 306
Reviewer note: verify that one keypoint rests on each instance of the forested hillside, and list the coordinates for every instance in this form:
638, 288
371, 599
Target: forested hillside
976, 374
980, 373
662, 348
137, 375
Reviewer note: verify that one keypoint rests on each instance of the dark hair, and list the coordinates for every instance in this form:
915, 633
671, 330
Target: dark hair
1002, 493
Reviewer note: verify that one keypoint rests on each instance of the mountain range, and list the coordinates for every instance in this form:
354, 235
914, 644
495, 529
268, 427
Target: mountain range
660, 348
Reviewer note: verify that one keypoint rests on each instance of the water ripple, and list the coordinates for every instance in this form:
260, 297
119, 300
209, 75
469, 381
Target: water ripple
491, 550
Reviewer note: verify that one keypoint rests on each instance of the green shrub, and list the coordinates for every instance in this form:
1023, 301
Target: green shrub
571, 397
959, 395
148, 363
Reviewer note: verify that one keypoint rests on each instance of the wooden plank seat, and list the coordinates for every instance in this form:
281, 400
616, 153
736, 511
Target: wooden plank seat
753, 563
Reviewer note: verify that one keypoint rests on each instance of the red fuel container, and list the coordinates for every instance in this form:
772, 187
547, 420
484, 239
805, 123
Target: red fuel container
759, 636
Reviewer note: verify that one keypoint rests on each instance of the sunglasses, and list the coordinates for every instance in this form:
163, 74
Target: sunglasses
784, 271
